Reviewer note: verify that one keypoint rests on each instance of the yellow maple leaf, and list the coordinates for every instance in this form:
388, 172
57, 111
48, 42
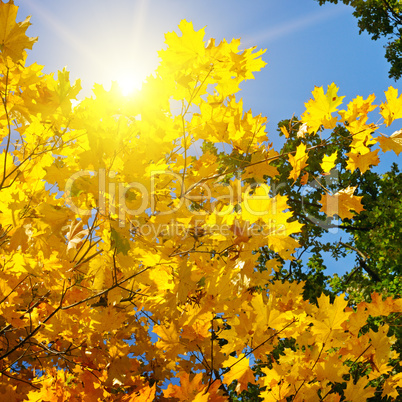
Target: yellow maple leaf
391, 386
331, 369
357, 320
259, 204
361, 134
319, 110
278, 389
169, 337
188, 282
298, 161
341, 203
198, 328
362, 161
283, 245
268, 316
239, 370
106, 319
145, 394
382, 343
357, 392
184, 51
330, 316
394, 142
392, 108
63, 91
328, 162
284, 131
13, 40
251, 62
189, 390
379, 307
260, 167
358, 107
304, 179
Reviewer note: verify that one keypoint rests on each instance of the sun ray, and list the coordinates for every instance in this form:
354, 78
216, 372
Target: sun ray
120, 58
294, 25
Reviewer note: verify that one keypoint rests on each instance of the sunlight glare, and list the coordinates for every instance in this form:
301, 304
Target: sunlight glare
129, 83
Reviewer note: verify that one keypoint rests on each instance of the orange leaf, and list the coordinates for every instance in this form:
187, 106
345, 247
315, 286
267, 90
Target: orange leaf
342, 203
189, 390
362, 161
394, 142
146, 394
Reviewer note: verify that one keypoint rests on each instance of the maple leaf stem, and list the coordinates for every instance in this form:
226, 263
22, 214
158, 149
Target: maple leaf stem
28, 311
251, 141
56, 352
263, 343
23, 354
33, 332
80, 261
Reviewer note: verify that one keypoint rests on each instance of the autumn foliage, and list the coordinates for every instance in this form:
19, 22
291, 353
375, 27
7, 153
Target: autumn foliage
129, 247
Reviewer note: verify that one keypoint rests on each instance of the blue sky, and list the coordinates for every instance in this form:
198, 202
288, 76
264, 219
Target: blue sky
307, 45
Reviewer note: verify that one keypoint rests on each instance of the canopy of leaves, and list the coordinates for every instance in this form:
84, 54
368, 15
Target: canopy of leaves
135, 269
381, 18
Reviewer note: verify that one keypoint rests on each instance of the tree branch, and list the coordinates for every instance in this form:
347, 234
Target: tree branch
362, 261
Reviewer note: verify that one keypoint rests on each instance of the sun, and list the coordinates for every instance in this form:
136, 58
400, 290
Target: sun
129, 82
127, 75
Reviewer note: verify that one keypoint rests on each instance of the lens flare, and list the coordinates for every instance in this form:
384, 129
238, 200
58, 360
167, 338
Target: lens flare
129, 83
